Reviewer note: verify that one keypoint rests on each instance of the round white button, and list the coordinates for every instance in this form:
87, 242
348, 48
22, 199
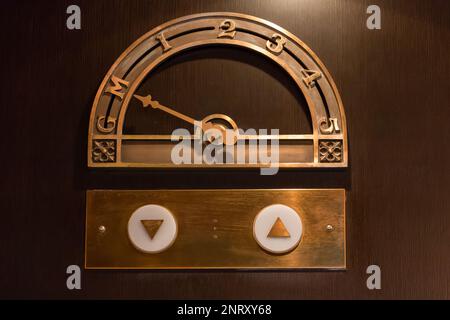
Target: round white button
277, 229
152, 228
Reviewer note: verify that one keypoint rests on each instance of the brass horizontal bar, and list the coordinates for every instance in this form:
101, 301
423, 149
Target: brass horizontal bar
144, 137
214, 166
240, 137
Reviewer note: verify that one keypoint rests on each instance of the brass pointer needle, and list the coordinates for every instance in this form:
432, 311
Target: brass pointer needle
147, 101
206, 124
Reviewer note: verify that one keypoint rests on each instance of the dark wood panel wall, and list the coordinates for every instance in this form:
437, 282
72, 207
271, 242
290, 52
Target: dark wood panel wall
396, 91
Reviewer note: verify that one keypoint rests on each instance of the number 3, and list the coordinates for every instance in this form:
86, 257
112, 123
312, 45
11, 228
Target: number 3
276, 45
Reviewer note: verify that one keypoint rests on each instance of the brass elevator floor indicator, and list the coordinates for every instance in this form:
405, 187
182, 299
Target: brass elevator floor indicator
123, 88
152, 226
278, 230
169, 229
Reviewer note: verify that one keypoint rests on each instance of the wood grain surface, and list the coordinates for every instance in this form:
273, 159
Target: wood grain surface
396, 91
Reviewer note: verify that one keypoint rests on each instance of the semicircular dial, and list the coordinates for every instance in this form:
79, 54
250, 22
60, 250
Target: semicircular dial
111, 145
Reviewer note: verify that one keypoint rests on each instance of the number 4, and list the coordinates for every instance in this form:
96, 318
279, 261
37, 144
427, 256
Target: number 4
310, 77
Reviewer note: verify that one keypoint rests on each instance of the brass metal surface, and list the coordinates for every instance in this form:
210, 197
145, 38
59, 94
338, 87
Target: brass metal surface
278, 230
215, 229
124, 78
152, 226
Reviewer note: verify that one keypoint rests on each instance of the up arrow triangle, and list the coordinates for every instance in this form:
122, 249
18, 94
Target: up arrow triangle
152, 226
278, 230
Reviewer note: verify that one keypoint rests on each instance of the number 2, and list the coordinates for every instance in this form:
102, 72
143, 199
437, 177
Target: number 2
228, 28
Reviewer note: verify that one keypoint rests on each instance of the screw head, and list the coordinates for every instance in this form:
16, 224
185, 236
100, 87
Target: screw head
330, 227
102, 229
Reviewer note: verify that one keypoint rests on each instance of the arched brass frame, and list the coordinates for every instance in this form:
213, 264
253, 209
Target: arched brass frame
329, 137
